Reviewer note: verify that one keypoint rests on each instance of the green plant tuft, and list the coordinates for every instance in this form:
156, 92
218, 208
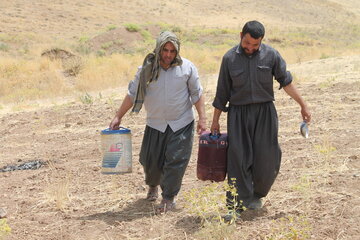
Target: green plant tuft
4, 47
132, 27
111, 27
87, 99
4, 229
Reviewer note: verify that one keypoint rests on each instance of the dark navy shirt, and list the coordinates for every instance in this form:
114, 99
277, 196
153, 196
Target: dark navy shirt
247, 79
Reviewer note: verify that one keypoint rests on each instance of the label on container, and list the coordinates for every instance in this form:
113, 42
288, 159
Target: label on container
117, 154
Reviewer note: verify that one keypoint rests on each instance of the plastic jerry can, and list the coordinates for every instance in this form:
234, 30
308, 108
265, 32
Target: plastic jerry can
212, 157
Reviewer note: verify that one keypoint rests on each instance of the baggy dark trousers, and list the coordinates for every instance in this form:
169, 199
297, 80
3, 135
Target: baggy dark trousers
165, 156
254, 154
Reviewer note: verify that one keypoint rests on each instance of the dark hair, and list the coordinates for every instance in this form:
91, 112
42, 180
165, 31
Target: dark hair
254, 28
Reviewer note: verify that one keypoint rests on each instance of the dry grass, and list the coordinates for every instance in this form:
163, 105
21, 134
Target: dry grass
25, 76
100, 73
57, 192
207, 60
41, 78
30, 79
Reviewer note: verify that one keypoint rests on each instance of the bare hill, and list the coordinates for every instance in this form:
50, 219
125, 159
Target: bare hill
67, 19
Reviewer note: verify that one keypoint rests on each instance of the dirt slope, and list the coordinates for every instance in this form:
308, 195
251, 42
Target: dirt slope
67, 19
316, 193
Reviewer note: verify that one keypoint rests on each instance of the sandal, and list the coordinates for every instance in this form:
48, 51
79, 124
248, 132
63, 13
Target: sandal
152, 194
165, 206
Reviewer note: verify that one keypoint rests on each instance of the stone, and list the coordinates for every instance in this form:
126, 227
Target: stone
2, 213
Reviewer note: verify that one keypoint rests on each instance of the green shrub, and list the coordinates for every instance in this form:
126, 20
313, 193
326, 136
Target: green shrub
4, 47
100, 53
87, 99
107, 45
132, 27
4, 229
111, 27
84, 39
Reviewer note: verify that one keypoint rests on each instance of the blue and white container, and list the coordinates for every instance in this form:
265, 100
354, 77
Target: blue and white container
116, 149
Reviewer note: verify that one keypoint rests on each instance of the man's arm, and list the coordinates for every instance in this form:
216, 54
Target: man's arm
123, 109
200, 108
215, 126
291, 90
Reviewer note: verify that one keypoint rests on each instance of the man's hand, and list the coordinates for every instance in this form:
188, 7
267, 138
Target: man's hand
200, 108
215, 128
306, 115
201, 126
115, 123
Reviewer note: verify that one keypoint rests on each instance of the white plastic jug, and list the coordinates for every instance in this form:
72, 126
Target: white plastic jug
116, 149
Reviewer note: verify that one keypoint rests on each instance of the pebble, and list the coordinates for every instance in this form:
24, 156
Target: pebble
2, 213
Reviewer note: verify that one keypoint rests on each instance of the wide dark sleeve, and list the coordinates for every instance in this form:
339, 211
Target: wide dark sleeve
223, 87
280, 73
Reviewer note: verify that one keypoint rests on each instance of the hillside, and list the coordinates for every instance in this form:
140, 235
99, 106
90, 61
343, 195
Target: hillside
63, 23
67, 19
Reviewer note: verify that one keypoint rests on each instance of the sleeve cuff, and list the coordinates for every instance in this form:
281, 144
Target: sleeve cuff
195, 98
287, 81
217, 105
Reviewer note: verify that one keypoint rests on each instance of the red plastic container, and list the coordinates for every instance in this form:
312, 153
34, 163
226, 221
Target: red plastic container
212, 163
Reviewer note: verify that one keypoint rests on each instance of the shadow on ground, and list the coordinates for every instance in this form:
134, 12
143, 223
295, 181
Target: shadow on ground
251, 215
190, 224
138, 209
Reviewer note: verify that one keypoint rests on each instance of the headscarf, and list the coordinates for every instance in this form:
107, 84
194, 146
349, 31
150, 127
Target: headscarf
151, 66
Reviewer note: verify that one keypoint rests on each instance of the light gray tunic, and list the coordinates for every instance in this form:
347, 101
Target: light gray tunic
169, 100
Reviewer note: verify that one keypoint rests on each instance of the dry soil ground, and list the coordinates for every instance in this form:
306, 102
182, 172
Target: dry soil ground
317, 188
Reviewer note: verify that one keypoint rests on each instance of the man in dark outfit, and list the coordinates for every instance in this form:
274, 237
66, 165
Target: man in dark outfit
246, 84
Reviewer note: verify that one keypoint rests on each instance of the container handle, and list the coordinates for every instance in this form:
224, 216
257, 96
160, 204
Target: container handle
120, 128
214, 136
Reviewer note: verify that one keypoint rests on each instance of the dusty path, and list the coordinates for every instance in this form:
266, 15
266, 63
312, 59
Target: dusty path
316, 193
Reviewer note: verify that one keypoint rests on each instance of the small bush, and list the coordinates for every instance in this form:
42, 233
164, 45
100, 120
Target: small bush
131, 27
83, 49
107, 45
84, 39
146, 35
176, 29
87, 99
290, 227
72, 66
111, 27
100, 53
207, 203
4, 47
4, 229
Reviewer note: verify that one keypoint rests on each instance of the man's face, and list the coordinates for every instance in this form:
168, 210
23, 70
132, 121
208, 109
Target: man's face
167, 54
250, 45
